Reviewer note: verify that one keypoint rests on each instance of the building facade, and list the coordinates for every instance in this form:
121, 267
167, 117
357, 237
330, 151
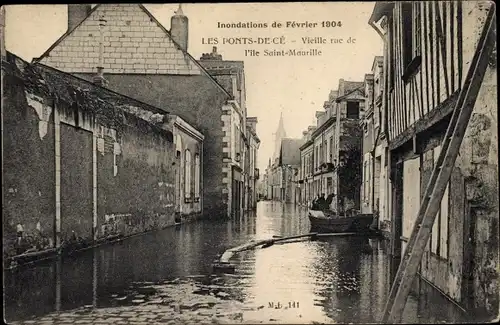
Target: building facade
374, 189
253, 171
287, 168
427, 56
331, 154
239, 161
119, 153
125, 48
188, 172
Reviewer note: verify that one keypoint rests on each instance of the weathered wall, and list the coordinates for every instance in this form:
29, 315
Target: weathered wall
28, 172
64, 171
195, 100
468, 218
76, 183
135, 182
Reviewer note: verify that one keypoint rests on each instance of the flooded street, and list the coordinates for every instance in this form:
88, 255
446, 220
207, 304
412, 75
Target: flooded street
166, 276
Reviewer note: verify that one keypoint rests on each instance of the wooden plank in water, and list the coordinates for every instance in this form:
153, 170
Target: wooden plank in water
333, 234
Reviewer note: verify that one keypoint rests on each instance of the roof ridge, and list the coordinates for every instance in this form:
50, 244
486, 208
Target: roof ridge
184, 51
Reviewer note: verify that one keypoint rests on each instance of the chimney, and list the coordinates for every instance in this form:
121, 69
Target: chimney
77, 13
214, 56
99, 77
179, 28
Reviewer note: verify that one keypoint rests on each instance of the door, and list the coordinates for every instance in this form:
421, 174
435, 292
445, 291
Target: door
76, 184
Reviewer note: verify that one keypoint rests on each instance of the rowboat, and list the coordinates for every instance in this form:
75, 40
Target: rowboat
328, 221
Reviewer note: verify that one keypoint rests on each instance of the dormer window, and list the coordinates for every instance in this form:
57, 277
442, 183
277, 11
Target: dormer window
353, 110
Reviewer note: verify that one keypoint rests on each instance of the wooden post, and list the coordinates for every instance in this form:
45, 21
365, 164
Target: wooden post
441, 174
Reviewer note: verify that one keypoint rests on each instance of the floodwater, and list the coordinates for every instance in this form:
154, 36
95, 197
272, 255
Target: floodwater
335, 280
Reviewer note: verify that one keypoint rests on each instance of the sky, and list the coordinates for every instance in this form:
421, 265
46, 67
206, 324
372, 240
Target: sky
296, 86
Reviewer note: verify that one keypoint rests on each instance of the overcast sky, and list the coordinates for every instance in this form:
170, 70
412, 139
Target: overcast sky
297, 86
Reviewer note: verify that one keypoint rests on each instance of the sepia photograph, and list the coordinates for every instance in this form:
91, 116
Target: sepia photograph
250, 163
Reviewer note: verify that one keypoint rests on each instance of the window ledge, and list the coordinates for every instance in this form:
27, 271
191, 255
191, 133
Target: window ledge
412, 68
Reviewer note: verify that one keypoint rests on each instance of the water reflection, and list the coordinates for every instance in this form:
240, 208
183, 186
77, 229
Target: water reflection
336, 280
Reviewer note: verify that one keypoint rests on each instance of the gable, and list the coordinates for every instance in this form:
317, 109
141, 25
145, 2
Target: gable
134, 42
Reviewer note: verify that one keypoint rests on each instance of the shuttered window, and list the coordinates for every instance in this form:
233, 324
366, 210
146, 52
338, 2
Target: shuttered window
187, 174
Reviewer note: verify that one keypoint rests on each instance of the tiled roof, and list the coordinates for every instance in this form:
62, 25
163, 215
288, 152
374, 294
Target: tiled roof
110, 108
153, 18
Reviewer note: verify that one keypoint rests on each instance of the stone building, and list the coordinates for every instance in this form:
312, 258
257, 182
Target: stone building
375, 180
93, 165
253, 171
427, 58
128, 50
189, 149
331, 153
239, 160
275, 173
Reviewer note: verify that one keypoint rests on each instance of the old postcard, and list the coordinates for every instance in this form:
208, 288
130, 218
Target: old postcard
258, 163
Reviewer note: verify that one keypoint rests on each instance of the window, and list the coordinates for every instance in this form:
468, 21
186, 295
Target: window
365, 192
197, 179
391, 54
407, 17
417, 27
326, 151
412, 43
353, 110
187, 174
331, 148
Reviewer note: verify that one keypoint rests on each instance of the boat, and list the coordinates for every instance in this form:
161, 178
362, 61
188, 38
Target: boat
329, 221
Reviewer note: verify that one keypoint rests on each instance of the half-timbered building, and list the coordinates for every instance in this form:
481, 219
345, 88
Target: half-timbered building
429, 49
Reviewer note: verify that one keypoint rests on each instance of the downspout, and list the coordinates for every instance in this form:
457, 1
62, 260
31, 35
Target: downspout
202, 210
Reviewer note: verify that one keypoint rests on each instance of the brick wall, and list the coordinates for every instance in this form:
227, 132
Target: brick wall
133, 43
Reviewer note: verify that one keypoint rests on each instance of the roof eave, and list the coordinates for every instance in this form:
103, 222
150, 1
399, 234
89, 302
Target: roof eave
379, 10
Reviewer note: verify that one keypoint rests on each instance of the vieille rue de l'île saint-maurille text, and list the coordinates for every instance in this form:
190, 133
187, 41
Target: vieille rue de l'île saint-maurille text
281, 40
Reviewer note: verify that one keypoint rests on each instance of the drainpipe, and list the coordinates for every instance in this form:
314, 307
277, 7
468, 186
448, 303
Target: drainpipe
99, 77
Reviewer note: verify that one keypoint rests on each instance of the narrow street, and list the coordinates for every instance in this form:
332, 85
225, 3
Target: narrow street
166, 277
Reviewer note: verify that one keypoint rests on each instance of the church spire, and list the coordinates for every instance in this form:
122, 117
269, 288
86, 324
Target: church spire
281, 127
278, 136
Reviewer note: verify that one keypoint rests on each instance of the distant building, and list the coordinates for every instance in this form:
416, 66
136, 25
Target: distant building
274, 171
253, 171
375, 181
331, 153
125, 48
425, 70
289, 164
279, 135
